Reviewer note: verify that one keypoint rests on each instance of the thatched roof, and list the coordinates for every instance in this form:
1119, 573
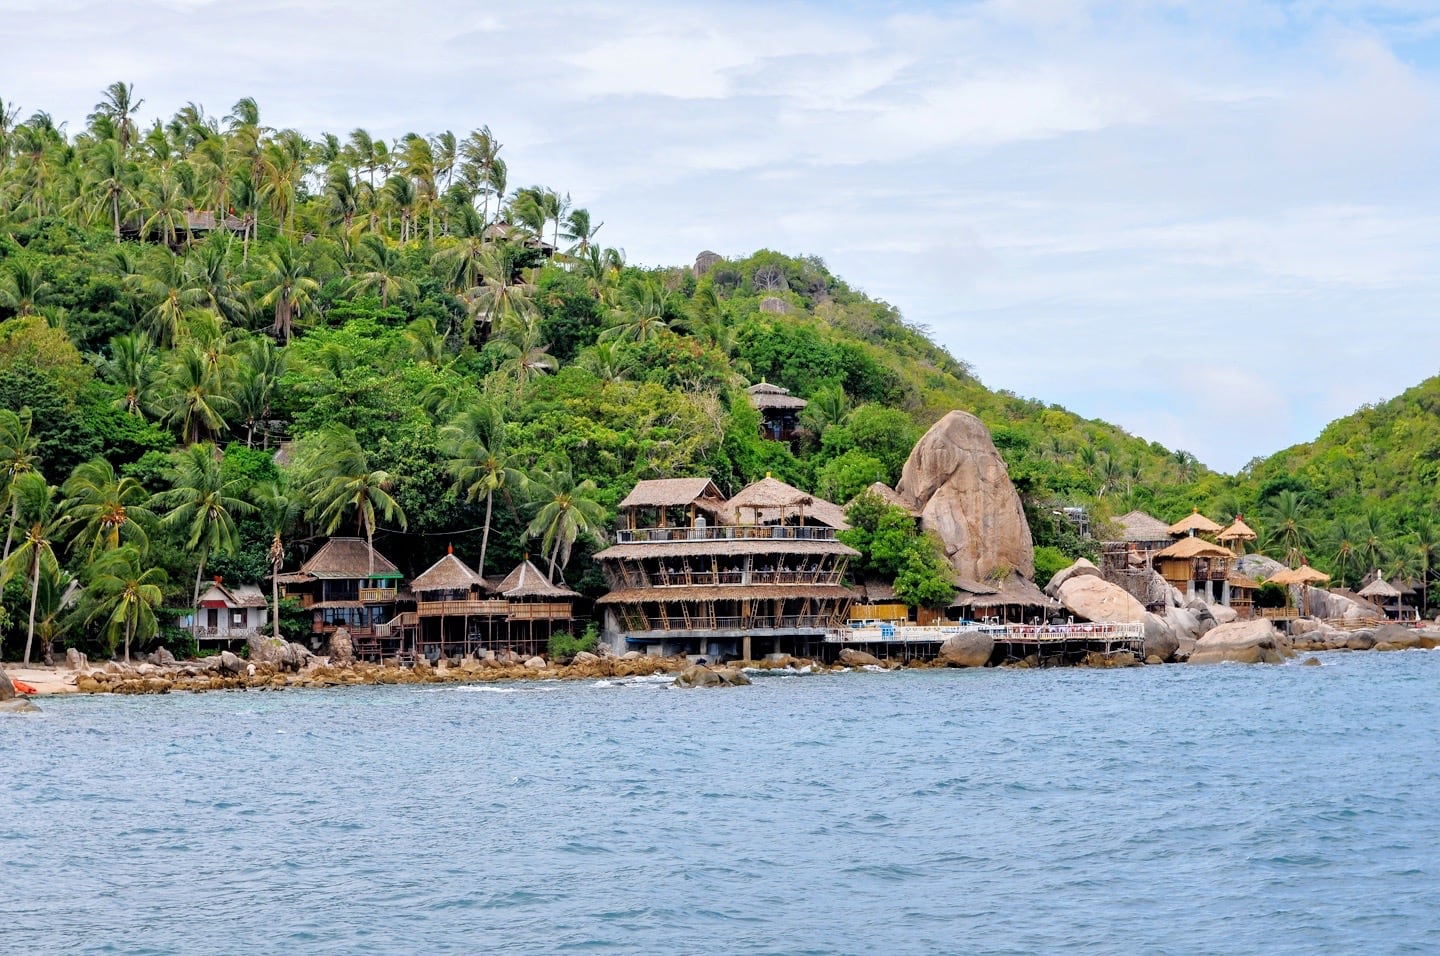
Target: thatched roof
1138, 526
1241, 581
1380, 588
343, 558
1196, 522
1012, 590
770, 499
876, 591
673, 492
765, 395
725, 547
527, 581
738, 592
890, 496
1301, 575
1195, 548
1238, 531
447, 574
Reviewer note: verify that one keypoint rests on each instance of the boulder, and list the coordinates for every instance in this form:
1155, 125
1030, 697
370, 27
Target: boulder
733, 676
1258, 566
1311, 662
1079, 568
585, 657
631, 656
230, 664
18, 706
774, 305
706, 261
163, 657
1096, 599
969, 649
266, 650
1204, 615
851, 657
7, 689
535, 664
341, 649
1223, 615
75, 660
961, 487
1398, 635
1160, 638
1246, 642
698, 675
1361, 640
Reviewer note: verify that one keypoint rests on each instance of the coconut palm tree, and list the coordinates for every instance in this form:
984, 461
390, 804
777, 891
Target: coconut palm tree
525, 352
202, 504
23, 287
337, 479
103, 508
479, 462
41, 523
580, 232
19, 455
1289, 529
645, 310
117, 107
193, 395
1342, 546
379, 267
501, 292
568, 511
286, 285
1372, 539
125, 595
110, 181
607, 361
279, 510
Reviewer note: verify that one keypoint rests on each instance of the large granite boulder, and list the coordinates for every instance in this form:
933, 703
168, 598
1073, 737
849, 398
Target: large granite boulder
1080, 568
969, 649
7, 689
18, 706
75, 660
706, 261
853, 657
1224, 615
960, 485
1096, 599
1396, 637
230, 664
1161, 641
1258, 566
341, 650
1245, 642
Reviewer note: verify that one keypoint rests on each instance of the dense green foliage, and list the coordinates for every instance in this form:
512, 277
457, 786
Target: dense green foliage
443, 357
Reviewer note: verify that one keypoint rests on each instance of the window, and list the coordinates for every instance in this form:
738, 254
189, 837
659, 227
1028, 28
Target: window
237, 617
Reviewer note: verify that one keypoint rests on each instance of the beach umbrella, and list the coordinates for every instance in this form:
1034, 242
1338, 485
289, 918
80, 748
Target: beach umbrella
1302, 576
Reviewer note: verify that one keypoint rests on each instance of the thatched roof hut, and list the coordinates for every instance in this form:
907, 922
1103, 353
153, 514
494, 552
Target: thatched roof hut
1012, 592
722, 547
674, 493
447, 574
342, 558
1194, 523
527, 581
1238, 531
1189, 548
763, 396
1381, 589
772, 501
1140, 527
1302, 575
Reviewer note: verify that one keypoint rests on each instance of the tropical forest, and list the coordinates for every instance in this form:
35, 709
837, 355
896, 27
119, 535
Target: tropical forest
222, 342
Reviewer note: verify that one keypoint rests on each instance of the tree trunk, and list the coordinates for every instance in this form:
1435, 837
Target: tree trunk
14, 517
195, 601
485, 535
34, 599
275, 599
115, 213
128, 629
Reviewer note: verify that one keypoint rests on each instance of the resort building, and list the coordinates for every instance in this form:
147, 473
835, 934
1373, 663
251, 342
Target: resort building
535, 608
691, 573
779, 411
347, 584
228, 614
1009, 600
1126, 559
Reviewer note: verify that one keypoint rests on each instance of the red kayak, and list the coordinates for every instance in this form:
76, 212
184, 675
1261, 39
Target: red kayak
23, 688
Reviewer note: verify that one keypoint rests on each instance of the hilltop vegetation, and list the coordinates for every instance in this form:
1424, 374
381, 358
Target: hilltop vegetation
445, 359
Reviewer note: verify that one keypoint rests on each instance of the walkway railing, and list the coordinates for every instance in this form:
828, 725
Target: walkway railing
1002, 633
724, 532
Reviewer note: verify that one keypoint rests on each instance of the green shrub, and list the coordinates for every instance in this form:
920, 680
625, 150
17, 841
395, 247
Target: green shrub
1049, 560
564, 646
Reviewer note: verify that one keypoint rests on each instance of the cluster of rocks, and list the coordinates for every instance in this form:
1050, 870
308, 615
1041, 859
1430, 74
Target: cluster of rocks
701, 675
1312, 635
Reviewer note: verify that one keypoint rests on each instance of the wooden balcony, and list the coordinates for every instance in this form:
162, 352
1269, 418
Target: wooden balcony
725, 532
377, 595
557, 611
463, 608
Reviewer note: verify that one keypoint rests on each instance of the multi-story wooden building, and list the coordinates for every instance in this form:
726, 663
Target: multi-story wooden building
348, 584
458, 612
691, 573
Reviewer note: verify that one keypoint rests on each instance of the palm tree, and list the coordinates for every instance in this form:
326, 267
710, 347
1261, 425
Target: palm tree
424, 342
132, 365
1289, 530
104, 507
167, 203
644, 311
479, 462
279, 509
500, 293
286, 285
580, 232
526, 353
568, 510
125, 596
607, 361
210, 283
1342, 542
202, 504
19, 455
338, 479
194, 395
829, 407
41, 522
380, 267
1425, 541
117, 106
110, 180
257, 385
23, 287
1373, 539
401, 196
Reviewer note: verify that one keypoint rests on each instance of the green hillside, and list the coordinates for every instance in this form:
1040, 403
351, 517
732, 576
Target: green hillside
437, 352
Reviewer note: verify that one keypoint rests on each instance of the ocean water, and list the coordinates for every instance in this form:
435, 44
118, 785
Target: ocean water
1176, 810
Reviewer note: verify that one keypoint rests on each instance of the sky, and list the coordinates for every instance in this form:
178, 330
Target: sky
1211, 222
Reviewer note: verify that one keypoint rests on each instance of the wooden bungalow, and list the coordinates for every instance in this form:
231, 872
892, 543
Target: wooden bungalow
1126, 557
1389, 597
876, 602
348, 584
1194, 565
228, 614
669, 508
1237, 535
1241, 593
535, 608
779, 411
454, 612
1010, 600
772, 569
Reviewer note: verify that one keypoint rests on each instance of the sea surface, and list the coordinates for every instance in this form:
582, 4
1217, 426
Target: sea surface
1226, 809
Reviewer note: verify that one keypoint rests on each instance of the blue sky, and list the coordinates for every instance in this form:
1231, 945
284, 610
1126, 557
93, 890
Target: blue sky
1213, 223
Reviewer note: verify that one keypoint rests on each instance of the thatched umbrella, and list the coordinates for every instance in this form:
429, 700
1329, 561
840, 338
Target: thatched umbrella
1381, 589
1194, 523
1236, 535
1303, 577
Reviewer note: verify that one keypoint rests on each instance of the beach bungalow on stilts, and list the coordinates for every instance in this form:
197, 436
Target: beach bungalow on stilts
779, 411
1195, 567
347, 584
228, 614
1009, 600
535, 608
760, 573
455, 614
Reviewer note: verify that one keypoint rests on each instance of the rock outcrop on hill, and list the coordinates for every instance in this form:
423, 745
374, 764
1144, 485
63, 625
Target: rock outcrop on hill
960, 486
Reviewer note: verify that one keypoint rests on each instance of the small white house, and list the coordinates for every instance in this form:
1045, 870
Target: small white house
228, 613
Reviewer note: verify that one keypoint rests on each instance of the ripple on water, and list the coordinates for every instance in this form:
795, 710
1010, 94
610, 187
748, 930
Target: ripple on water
1279, 810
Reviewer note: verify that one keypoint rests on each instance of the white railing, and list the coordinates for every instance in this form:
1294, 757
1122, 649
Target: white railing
725, 532
1006, 633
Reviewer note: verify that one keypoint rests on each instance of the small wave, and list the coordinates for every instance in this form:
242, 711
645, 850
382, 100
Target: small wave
654, 680
473, 689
